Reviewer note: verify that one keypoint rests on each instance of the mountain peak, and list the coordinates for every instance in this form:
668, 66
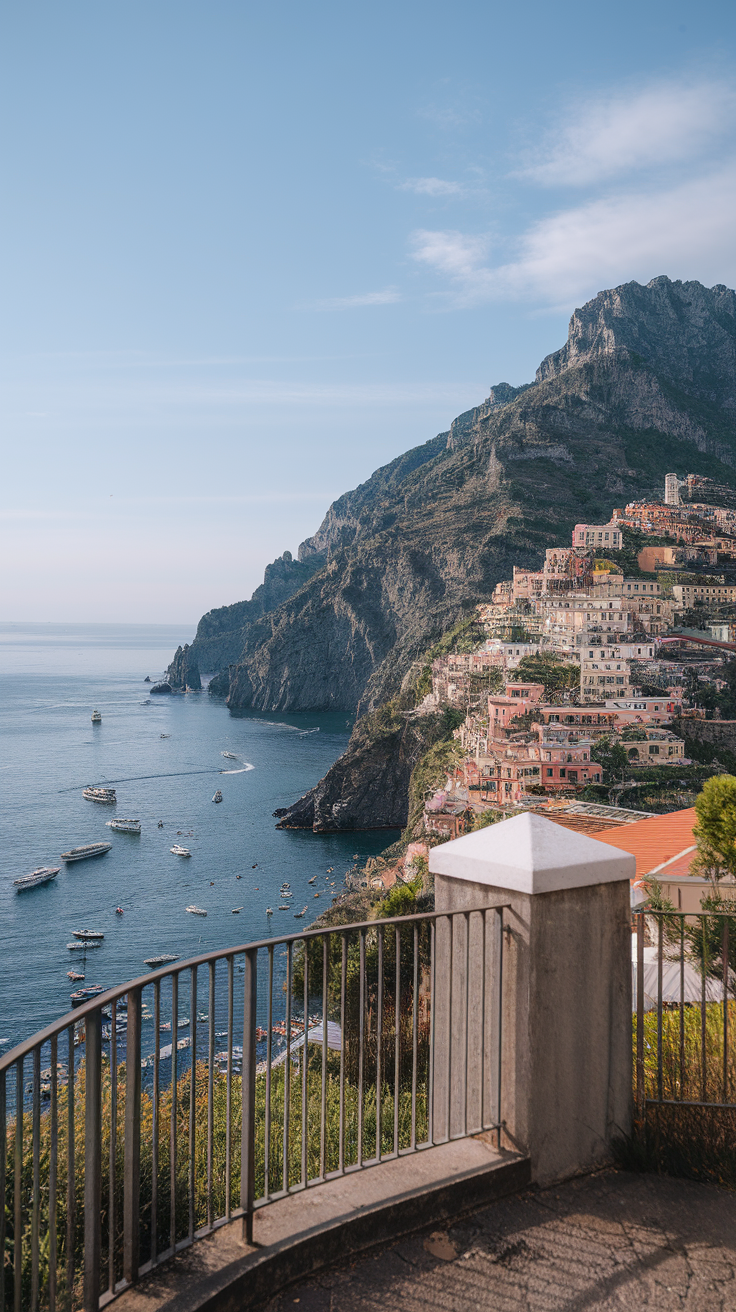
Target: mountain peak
681, 330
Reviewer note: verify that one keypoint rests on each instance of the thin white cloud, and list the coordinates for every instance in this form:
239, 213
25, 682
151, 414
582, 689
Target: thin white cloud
389, 296
685, 231
666, 123
455, 254
432, 187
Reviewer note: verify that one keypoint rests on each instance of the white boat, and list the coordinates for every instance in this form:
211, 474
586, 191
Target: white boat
217, 797
36, 877
82, 947
96, 717
236, 911
88, 933
85, 851
178, 850
104, 795
230, 756
195, 911
161, 959
269, 911
313, 880
164, 735
124, 826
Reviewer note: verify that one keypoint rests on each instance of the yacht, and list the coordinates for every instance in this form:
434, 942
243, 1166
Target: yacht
88, 933
36, 877
85, 851
124, 826
161, 959
230, 756
236, 911
84, 945
104, 795
178, 850
84, 995
195, 911
217, 797
96, 717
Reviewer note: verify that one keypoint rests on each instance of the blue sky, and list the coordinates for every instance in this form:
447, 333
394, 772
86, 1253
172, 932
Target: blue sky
250, 253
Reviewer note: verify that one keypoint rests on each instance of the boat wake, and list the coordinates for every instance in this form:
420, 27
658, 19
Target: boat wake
168, 774
243, 770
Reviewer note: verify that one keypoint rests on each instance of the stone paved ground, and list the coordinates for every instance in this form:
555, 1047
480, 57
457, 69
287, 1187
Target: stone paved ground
608, 1241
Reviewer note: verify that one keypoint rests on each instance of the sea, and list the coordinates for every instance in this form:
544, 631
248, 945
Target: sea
164, 755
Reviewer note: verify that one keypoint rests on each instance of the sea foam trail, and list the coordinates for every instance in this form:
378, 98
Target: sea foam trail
244, 770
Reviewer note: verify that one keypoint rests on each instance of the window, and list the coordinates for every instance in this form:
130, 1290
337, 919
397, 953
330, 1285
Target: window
549, 773
562, 772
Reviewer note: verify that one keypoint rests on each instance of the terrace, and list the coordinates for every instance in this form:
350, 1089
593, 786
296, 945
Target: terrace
210, 1133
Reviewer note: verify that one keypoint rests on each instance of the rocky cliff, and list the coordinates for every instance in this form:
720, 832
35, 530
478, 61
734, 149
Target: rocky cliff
646, 383
221, 633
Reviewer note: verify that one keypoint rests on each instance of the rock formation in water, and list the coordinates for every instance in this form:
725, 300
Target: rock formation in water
184, 670
645, 384
162, 688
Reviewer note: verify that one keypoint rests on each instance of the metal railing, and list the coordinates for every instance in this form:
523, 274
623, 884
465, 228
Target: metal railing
191, 1097
685, 999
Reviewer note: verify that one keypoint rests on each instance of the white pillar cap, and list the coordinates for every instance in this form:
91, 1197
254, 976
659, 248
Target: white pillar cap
529, 854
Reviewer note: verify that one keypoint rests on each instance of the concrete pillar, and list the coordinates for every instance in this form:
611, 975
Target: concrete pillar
565, 1003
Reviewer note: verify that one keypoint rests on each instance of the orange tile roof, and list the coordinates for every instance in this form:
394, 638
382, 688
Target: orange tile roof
653, 841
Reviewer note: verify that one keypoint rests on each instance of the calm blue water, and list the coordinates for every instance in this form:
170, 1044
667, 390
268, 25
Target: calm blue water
51, 679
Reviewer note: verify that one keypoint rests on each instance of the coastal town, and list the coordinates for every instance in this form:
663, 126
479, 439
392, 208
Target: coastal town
585, 679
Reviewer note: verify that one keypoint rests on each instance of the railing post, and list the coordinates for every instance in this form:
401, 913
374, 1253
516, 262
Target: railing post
132, 1156
566, 1013
248, 1088
92, 1159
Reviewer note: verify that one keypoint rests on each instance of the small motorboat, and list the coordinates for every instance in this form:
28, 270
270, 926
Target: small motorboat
96, 717
118, 911
85, 851
84, 945
217, 797
124, 826
313, 880
285, 908
160, 824
298, 914
178, 850
36, 877
106, 796
269, 911
316, 895
236, 911
88, 933
164, 735
84, 995
195, 911
230, 756
74, 975
161, 959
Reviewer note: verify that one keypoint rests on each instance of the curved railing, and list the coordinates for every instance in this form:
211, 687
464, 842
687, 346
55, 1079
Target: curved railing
190, 1097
